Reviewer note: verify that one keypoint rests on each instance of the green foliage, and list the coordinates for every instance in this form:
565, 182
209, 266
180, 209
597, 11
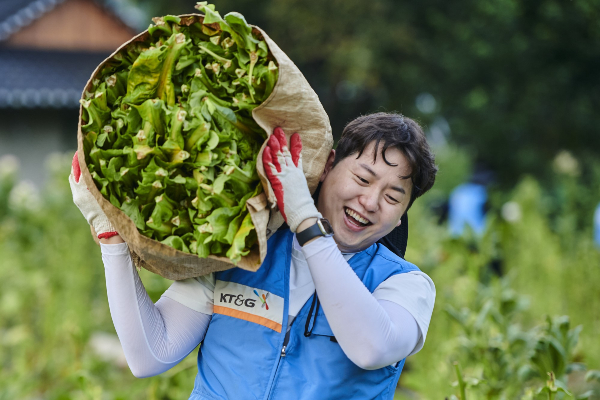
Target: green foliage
494, 327
508, 76
504, 361
53, 303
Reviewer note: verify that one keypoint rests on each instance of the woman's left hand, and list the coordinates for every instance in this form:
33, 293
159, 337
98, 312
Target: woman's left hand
88, 206
284, 171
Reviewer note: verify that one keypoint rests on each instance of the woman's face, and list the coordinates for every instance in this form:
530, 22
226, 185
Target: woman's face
364, 200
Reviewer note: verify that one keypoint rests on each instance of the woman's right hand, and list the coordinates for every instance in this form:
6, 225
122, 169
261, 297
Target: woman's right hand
284, 171
89, 207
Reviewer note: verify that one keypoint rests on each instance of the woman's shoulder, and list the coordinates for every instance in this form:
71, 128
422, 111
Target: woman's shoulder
381, 254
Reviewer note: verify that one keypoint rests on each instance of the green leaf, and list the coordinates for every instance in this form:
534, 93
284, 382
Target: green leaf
143, 80
172, 18
592, 375
201, 202
198, 136
210, 15
177, 120
152, 112
226, 112
240, 31
585, 396
101, 139
213, 141
96, 113
177, 243
220, 219
561, 387
573, 367
238, 245
179, 179
202, 248
219, 183
216, 248
182, 222
160, 220
151, 73
186, 61
132, 209
114, 200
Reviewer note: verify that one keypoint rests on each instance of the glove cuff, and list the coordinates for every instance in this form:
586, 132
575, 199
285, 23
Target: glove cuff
107, 235
306, 211
103, 227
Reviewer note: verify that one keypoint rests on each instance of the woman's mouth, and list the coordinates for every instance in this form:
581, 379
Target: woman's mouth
354, 220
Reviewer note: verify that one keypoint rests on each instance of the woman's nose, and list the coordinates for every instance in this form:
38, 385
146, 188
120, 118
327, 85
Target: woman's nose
369, 200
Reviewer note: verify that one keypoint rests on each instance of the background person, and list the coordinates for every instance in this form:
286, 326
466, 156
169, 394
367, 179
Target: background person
467, 204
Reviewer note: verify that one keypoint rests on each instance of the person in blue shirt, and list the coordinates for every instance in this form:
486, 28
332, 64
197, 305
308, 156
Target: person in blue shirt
331, 313
467, 204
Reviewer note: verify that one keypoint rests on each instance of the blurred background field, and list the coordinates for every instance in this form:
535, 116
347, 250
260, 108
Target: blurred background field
58, 341
507, 87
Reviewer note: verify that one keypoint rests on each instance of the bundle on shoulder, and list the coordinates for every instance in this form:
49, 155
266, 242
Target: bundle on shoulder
171, 130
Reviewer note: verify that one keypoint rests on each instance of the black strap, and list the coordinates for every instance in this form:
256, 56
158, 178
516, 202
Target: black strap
397, 239
307, 331
307, 234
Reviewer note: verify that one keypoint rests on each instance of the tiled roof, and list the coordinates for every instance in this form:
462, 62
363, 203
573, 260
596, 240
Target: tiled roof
38, 78
34, 78
16, 14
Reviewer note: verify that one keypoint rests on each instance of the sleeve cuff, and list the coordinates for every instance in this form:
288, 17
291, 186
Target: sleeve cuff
118, 249
318, 245
194, 293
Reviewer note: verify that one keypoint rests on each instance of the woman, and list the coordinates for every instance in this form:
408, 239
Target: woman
330, 314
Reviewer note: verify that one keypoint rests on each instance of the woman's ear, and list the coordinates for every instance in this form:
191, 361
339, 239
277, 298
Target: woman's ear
328, 165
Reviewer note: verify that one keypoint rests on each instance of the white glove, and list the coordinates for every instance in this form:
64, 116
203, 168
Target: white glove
284, 171
88, 205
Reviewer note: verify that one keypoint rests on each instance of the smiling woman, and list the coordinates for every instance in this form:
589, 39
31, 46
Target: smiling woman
364, 198
381, 165
391, 130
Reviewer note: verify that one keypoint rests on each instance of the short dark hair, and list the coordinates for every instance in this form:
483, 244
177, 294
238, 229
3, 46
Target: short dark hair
391, 130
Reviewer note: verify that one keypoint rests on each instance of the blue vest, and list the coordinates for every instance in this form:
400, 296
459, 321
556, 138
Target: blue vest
243, 354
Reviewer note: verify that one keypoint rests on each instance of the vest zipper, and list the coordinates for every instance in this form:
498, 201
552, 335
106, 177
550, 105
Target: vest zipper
272, 383
281, 355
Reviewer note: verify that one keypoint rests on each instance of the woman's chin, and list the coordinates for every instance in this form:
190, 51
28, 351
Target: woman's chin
348, 243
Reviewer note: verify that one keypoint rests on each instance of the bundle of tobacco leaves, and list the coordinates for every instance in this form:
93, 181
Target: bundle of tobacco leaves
169, 133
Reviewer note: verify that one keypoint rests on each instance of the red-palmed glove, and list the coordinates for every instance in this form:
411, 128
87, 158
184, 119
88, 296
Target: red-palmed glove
88, 206
284, 171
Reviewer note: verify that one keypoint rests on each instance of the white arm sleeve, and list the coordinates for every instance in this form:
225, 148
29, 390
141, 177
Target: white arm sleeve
372, 333
415, 292
154, 337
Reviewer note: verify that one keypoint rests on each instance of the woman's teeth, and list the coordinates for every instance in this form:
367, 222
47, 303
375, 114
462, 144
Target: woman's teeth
356, 216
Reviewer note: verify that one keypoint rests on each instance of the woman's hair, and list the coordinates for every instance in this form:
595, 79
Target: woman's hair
391, 130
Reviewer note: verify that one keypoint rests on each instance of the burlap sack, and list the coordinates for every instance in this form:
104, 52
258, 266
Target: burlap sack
295, 107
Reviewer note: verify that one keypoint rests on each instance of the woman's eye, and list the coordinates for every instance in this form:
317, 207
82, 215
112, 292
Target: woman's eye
393, 199
362, 179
